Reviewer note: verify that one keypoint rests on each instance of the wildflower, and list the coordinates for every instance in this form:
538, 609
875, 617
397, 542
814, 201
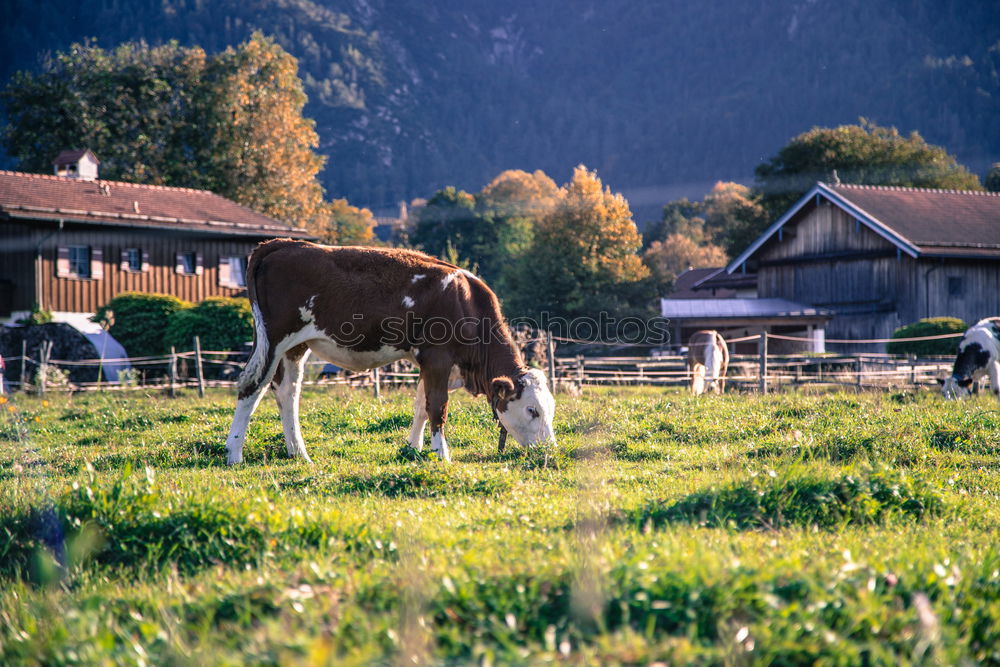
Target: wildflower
3, 399
45, 404
11, 408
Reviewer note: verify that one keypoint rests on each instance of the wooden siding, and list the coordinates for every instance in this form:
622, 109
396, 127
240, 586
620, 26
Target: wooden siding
829, 261
825, 229
69, 294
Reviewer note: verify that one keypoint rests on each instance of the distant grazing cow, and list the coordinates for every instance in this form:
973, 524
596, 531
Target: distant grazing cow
708, 362
361, 308
978, 356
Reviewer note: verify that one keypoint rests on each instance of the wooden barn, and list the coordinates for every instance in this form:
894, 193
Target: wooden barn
879, 257
70, 242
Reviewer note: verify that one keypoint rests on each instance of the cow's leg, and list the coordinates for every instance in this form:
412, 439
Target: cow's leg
252, 385
287, 389
435, 380
419, 418
698, 379
994, 371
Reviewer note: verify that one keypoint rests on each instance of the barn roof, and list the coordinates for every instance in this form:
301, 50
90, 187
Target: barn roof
921, 222
682, 309
118, 204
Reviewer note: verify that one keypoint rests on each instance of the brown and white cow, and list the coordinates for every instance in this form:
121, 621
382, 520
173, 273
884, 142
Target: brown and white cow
361, 308
708, 362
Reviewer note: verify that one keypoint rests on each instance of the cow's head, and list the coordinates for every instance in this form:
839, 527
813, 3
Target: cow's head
955, 387
525, 407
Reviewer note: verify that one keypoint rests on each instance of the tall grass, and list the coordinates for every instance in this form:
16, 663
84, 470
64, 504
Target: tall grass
785, 529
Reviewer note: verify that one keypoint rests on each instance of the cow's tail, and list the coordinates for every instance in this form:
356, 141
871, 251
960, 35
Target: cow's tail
260, 356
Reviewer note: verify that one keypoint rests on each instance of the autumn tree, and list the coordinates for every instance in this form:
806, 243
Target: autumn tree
676, 254
583, 258
342, 224
262, 147
864, 154
489, 229
170, 115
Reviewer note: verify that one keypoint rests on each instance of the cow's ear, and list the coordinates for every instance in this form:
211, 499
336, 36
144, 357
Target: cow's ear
941, 381
503, 388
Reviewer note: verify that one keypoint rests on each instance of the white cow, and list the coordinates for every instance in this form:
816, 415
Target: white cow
708, 362
978, 356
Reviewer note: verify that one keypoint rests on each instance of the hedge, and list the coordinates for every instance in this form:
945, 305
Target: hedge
931, 326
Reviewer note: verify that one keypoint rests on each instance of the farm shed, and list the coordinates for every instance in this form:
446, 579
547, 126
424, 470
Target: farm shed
737, 318
71, 242
878, 257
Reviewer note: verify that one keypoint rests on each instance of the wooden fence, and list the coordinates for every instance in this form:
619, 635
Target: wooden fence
200, 369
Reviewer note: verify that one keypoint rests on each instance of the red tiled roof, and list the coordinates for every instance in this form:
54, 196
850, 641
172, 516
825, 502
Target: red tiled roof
44, 197
936, 222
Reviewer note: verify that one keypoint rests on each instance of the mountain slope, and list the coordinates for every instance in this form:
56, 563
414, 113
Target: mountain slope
410, 96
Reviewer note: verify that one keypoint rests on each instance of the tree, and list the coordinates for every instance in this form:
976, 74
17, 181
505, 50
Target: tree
262, 146
343, 224
583, 258
679, 217
138, 107
516, 193
863, 154
992, 180
170, 115
490, 229
449, 218
512, 204
676, 254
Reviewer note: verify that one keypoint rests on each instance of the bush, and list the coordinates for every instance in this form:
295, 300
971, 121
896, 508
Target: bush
221, 323
138, 321
931, 326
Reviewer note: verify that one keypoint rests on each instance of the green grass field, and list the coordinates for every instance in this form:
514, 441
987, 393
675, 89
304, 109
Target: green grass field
841, 528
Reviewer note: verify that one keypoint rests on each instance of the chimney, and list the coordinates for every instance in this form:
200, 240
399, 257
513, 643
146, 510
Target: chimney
80, 164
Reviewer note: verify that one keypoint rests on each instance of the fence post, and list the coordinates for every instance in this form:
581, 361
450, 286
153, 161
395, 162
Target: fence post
552, 360
43, 366
173, 372
580, 372
762, 351
198, 368
377, 383
857, 374
24, 365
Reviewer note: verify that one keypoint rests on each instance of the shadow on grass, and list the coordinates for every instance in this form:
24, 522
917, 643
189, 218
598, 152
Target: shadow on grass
802, 500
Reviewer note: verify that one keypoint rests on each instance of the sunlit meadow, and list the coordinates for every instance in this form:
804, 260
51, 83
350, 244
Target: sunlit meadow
840, 528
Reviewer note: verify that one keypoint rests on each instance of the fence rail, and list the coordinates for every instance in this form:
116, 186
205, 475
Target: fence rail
763, 372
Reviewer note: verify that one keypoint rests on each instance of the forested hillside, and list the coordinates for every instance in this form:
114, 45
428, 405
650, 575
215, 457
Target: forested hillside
410, 96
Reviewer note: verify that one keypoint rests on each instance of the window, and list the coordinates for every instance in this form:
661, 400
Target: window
238, 271
955, 286
132, 259
233, 271
189, 263
79, 261
82, 262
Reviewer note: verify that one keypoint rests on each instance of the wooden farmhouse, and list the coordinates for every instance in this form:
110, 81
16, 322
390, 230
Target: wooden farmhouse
876, 258
70, 242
